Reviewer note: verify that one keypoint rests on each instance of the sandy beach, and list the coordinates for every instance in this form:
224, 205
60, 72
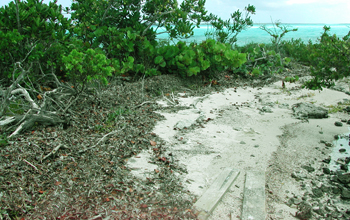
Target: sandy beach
247, 129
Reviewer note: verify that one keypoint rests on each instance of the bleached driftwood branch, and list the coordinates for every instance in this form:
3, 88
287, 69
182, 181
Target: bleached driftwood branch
35, 114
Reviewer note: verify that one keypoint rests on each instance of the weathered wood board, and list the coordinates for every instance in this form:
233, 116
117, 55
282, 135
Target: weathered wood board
254, 196
207, 203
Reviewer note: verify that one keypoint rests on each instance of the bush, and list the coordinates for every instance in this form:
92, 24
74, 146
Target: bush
206, 58
35, 34
330, 60
298, 50
276, 34
85, 66
262, 59
131, 53
117, 34
227, 31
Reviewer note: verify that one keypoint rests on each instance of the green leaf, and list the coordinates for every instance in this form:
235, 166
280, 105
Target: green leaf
162, 64
256, 72
180, 66
271, 53
131, 59
217, 58
287, 60
140, 68
158, 59
229, 54
205, 64
193, 71
93, 27
151, 72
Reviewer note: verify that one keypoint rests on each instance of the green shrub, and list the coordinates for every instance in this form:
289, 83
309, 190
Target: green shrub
83, 66
131, 53
221, 56
262, 60
227, 31
206, 58
298, 50
330, 60
112, 37
277, 32
37, 37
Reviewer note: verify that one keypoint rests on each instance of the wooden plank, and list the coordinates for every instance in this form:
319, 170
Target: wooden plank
254, 196
207, 203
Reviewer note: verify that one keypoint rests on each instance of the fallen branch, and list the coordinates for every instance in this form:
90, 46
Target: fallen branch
43, 114
101, 140
26, 96
29, 121
200, 99
142, 104
7, 93
31, 165
173, 103
52, 152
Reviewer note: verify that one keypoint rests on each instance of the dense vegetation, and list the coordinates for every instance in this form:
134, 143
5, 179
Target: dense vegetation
121, 35
329, 58
49, 62
42, 50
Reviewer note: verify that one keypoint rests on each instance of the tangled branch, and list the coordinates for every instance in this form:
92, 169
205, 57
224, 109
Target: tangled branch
37, 112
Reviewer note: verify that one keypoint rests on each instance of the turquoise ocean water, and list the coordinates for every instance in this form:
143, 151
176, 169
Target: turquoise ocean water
254, 34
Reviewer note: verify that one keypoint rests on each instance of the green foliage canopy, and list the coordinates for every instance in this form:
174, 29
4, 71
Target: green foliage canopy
330, 59
34, 34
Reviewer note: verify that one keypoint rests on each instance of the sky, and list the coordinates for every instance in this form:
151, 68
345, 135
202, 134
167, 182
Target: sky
286, 11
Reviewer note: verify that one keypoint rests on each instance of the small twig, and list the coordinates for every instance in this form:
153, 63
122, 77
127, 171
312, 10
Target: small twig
29, 52
143, 85
55, 78
96, 217
52, 152
30, 143
199, 100
168, 100
45, 95
71, 103
102, 139
141, 104
105, 13
18, 20
173, 97
31, 165
19, 128
6, 95
154, 20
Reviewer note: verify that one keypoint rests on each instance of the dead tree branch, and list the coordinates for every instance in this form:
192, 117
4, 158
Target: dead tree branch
37, 112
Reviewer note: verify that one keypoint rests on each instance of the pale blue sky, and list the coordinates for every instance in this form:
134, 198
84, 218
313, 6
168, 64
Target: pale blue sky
287, 11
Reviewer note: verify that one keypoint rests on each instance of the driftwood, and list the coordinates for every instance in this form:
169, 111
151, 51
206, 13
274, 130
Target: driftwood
47, 110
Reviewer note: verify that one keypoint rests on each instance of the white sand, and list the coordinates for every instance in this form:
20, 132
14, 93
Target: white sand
238, 136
